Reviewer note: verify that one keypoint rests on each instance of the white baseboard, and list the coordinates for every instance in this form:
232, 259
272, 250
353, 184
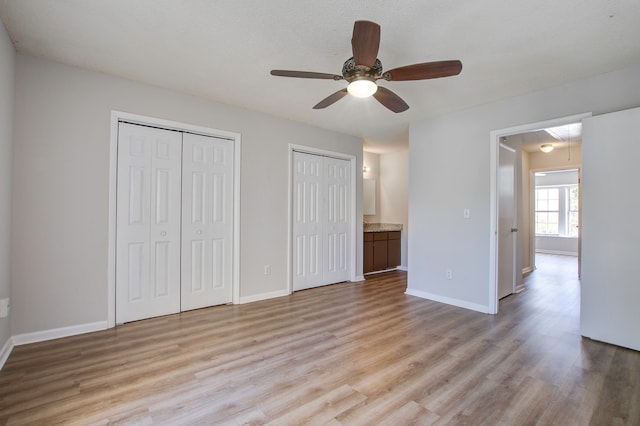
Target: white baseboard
520, 288
6, 351
448, 300
263, 296
384, 270
527, 270
358, 278
56, 333
561, 253
402, 268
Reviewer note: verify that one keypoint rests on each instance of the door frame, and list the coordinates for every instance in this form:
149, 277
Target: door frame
117, 117
495, 137
353, 204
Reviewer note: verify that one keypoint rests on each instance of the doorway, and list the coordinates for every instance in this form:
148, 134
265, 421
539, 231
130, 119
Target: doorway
496, 138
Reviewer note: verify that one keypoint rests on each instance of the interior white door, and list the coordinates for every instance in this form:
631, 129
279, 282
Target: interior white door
321, 220
147, 222
207, 221
308, 220
336, 231
506, 221
609, 285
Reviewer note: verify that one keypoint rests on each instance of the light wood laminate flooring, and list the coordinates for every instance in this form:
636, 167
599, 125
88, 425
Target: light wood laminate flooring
361, 353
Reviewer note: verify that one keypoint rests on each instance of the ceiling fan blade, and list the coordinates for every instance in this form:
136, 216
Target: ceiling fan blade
365, 42
390, 100
424, 71
331, 99
306, 74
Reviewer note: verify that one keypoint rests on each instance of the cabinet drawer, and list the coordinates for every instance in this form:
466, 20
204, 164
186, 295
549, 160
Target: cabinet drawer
380, 236
394, 235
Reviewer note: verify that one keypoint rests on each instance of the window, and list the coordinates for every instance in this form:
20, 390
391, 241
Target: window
557, 210
547, 210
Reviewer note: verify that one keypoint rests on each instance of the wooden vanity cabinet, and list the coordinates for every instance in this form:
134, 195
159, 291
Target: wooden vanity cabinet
381, 251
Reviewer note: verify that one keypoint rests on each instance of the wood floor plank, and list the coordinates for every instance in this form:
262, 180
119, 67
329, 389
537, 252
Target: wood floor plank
347, 354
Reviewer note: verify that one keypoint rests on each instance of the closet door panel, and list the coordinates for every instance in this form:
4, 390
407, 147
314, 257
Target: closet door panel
307, 220
207, 225
337, 220
147, 223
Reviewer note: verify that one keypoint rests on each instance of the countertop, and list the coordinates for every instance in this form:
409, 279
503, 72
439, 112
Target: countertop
382, 227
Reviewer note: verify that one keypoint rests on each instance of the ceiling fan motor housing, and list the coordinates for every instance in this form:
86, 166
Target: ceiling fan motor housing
351, 71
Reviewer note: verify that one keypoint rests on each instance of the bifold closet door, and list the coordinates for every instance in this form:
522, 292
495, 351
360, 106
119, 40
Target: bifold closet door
337, 223
148, 222
321, 220
207, 221
307, 220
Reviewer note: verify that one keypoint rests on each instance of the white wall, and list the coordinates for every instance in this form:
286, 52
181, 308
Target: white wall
610, 239
7, 67
394, 194
60, 191
449, 158
525, 225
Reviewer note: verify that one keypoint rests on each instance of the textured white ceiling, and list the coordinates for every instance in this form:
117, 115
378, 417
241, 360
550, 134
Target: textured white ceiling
224, 49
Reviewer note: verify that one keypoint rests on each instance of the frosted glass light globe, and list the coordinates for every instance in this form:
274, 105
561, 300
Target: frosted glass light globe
362, 88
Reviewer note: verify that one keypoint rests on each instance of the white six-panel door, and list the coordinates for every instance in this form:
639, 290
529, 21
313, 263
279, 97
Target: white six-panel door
207, 226
321, 220
148, 221
307, 225
337, 224
174, 231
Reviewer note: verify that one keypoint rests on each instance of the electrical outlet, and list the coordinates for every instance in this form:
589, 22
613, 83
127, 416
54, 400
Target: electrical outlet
466, 213
267, 269
449, 274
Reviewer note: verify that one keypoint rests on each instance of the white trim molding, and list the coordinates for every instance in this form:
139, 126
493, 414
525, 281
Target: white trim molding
558, 252
6, 351
56, 333
448, 300
264, 296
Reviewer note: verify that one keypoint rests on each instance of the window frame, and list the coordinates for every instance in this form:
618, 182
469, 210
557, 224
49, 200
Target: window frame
564, 210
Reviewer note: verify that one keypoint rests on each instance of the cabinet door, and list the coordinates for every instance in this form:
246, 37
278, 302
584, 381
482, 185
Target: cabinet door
394, 257
367, 264
380, 247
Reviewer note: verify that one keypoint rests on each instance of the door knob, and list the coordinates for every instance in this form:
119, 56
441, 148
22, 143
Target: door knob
514, 229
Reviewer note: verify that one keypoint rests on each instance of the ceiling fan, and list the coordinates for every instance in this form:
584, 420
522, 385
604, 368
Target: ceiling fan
363, 70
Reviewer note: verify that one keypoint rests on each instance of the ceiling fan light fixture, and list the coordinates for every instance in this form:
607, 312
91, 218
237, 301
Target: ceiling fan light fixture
546, 148
362, 88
